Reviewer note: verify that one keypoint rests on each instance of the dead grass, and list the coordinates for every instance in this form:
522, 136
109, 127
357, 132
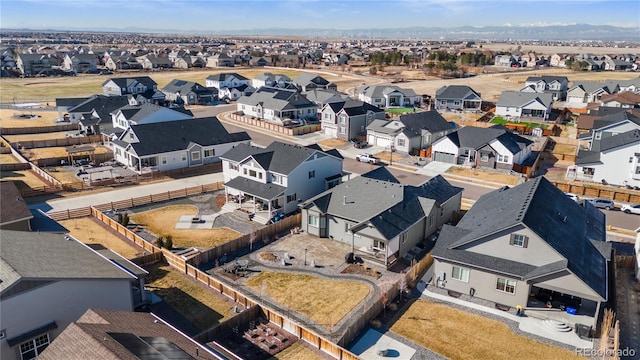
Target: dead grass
193, 301
322, 300
331, 143
8, 159
461, 116
47, 118
460, 335
14, 139
55, 152
62, 175
565, 149
484, 175
162, 222
90, 232
24, 179
297, 351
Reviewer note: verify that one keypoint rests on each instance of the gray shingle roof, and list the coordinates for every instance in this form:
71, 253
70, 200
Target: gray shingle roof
612, 142
547, 79
103, 105
456, 92
69, 101
381, 90
184, 87
267, 191
426, 120
616, 118
125, 82
138, 113
276, 99
225, 76
355, 108
519, 99
307, 78
563, 224
475, 138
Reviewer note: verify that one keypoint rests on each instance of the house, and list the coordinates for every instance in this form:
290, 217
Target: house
64, 104
515, 104
170, 145
84, 64
380, 218
271, 80
457, 97
48, 281
588, 91
559, 60
266, 182
385, 96
108, 334
632, 85
291, 60
153, 62
528, 246
555, 85
190, 93
494, 148
15, 214
36, 64
220, 60
321, 97
226, 80
309, 81
616, 65
98, 107
125, 62
610, 125
260, 61
129, 115
349, 119
625, 99
507, 60
409, 131
129, 85
279, 105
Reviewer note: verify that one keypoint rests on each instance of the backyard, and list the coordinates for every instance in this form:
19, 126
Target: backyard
402, 110
484, 175
24, 179
457, 334
322, 300
162, 222
502, 121
90, 232
9, 117
55, 152
198, 305
297, 351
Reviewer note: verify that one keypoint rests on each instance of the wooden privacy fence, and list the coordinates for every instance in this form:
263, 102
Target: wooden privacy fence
589, 190
55, 161
123, 230
37, 129
67, 141
298, 130
418, 269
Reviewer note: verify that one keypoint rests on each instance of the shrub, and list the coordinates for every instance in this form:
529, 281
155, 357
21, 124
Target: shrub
120, 218
160, 242
168, 243
125, 219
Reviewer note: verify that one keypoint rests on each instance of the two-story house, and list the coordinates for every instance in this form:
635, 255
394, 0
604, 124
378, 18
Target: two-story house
309, 81
409, 131
231, 86
271, 80
220, 60
36, 64
385, 96
189, 93
93, 115
349, 119
582, 93
129, 115
457, 97
84, 63
529, 246
516, 104
494, 148
129, 85
380, 218
171, 145
277, 105
266, 182
554, 85
624, 99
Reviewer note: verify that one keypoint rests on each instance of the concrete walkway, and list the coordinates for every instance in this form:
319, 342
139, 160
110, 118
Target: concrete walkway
126, 193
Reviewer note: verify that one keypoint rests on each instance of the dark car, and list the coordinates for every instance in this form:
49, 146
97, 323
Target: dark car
358, 144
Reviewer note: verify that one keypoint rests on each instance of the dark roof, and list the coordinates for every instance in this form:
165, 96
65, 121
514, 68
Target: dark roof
587, 157
267, 191
612, 142
476, 137
355, 108
547, 78
184, 87
103, 105
12, 204
456, 92
616, 118
563, 224
224, 76
41, 222
157, 138
69, 101
382, 174
125, 82
427, 120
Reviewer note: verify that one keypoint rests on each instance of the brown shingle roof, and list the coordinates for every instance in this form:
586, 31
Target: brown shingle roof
12, 205
625, 97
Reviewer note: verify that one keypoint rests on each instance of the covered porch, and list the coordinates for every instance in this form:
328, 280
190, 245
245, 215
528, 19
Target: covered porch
566, 308
259, 201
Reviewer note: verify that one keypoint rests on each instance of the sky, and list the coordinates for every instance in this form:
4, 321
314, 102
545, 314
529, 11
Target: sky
225, 16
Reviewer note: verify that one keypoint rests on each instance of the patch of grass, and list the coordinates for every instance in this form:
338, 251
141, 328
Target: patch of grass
63, 175
502, 121
297, 351
324, 301
7, 119
14, 139
90, 232
402, 110
162, 222
24, 179
8, 159
197, 304
460, 335
498, 120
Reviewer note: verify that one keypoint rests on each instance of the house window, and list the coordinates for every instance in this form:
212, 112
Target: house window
588, 171
313, 220
456, 103
343, 119
195, 156
400, 142
275, 178
459, 273
631, 160
312, 174
292, 197
518, 240
163, 160
184, 156
244, 171
484, 157
506, 285
233, 166
209, 153
32, 348
379, 245
253, 173
131, 136
637, 170
327, 116
260, 175
343, 130
503, 158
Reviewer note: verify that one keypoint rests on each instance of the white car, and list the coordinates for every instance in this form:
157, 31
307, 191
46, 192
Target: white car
631, 209
573, 197
368, 158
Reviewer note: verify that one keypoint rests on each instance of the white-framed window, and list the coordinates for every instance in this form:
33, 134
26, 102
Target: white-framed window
588, 171
32, 348
184, 156
343, 119
292, 197
195, 155
379, 245
506, 285
400, 142
484, 157
163, 160
343, 130
327, 116
518, 240
210, 153
598, 135
131, 137
460, 273
253, 173
314, 220
275, 178
503, 158
244, 171
233, 166
312, 174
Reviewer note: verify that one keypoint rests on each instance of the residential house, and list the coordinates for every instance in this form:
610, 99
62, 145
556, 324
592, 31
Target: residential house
95, 113
632, 85
279, 105
126, 116
153, 62
409, 132
585, 92
321, 97
260, 61
108, 334
349, 119
559, 60
125, 62
170, 145
529, 246
610, 125
509, 60
15, 214
291, 60
84, 63
64, 104
231, 86
309, 81
457, 97
271, 80
266, 182
189, 93
494, 148
129, 85
385, 96
516, 104
48, 281
626, 100
555, 85
220, 60
380, 218
616, 65
36, 64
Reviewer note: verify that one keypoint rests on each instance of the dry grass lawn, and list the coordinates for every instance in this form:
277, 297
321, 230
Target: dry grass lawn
331, 143
484, 175
565, 149
90, 232
8, 159
322, 300
24, 179
297, 351
14, 139
47, 118
460, 335
55, 152
162, 222
63, 176
197, 304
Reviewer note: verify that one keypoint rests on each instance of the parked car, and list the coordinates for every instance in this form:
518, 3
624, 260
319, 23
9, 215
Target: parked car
358, 144
368, 158
602, 203
631, 209
573, 197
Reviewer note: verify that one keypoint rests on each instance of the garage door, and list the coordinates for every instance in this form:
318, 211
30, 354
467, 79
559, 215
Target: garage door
331, 132
382, 142
444, 157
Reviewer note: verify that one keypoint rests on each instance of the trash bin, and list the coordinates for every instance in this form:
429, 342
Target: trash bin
571, 311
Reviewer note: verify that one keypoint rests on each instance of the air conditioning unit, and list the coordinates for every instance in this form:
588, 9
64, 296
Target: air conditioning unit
442, 276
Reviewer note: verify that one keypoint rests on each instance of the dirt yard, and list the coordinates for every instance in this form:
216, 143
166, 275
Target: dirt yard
457, 334
62, 175
484, 175
24, 179
328, 144
8, 159
309, 295
91, 232
15, 139
299, 351
162, 222
55, 152
7, 119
